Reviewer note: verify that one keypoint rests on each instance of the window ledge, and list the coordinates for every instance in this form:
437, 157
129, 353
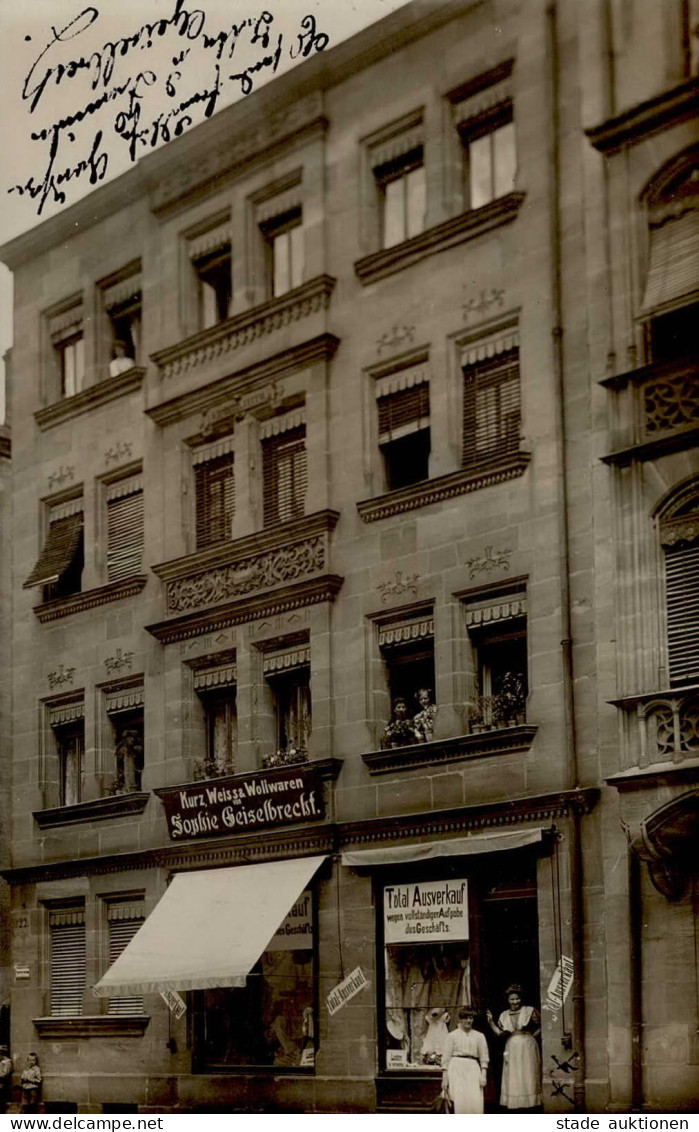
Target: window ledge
500, 741
101, 393
93, 1026
88, 599
467, 226
245, 327
652, 449
444, 487
633, 125
114, 806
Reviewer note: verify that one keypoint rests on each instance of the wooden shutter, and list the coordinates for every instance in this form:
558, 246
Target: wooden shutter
63, 545
67, 963
285, 476
123, 923
125, 529
491, 409
682, 596
215, 499
406, 410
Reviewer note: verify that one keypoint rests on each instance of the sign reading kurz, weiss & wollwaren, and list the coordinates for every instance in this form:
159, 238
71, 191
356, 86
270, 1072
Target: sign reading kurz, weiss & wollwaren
243, 802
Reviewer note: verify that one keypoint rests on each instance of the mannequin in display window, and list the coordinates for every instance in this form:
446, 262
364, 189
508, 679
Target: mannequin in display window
519, 1026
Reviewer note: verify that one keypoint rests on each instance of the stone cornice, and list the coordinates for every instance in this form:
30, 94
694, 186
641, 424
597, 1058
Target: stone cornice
318, 349
274, 538
92, 1026
98, 809
444, 487
242, 329
500, 741
467, 226
635, 125
267, 604
654, 371
652, 449
654, 775
101, 393
89, 599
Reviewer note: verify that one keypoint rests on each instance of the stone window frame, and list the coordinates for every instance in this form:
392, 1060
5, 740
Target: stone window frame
476, 109
675, 520
270, 207
108, 485
73, 705
486, 612
130, 900
271, 659
116, 697
385, 146
489, 339
378, 690
119, 294
49, 908
61, 323
212, 227
202, 676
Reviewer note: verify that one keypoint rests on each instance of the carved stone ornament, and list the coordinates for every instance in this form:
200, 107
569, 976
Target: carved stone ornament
685, 528
482, 303
395, 337
668, 840
61, 676
489, 560
120, 451
257, 572
671, 403
63, 475
119, 661
238, 405
398, 585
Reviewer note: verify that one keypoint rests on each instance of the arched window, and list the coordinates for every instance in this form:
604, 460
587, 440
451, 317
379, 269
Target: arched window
679, 537
670, 308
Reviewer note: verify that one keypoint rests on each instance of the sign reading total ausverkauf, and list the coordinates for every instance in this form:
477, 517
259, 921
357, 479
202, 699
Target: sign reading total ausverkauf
244, 802
427, 910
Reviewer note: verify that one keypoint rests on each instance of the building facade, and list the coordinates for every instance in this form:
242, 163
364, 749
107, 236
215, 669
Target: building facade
314, 551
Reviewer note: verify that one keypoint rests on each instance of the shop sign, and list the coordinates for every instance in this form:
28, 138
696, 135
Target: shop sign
341, 994
244, 802
295, 933
428, 910
21, 972
175, 1003
560, 985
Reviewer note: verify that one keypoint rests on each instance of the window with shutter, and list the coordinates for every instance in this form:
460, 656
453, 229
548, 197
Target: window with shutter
682, 600
216, 688
124, 707
404, 434
491, 409
67, 961
214, 481
123, 921
407, 648
288, 673
59, 567
125, 532
284, 476
497, 627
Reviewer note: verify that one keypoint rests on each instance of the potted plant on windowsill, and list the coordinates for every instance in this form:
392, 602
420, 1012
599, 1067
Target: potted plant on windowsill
511, 700
285, 757
480, 716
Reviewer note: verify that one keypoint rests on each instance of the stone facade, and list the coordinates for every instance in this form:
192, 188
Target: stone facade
535, 535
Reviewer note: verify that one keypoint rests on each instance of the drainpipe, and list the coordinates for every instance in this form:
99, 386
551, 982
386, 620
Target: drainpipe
578, 1036
635, 928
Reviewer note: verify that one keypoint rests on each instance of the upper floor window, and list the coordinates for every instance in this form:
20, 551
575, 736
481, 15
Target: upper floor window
284, 467
288, 674
679, 536
68, 349
215, 686
214, 483
67, 959
403, 407
124, 707
491, 412
60, 564
124, 528
210, 256
284, 237
406, 644
122, 302
497, 628
396, 160
482, 111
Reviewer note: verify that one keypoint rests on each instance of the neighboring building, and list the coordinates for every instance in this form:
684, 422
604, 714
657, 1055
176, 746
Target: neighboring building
5, 701
346, 450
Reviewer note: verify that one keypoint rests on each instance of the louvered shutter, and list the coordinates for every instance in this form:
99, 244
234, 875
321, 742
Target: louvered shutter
125, 529
682, 596
215, 499
404, 411
63, 546
67, 964
123, 924
285, 476
491, 409
673, 269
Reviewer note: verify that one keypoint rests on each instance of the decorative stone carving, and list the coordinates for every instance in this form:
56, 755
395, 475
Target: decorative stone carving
119, 661
683, 529
489, 560
63, 475
671, 403
485, 300
398, 585
236, 406
61, 676
395, 337
287, 564
120, 451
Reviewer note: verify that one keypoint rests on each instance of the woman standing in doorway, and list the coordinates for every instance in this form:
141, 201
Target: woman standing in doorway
465, 1063
521, 1071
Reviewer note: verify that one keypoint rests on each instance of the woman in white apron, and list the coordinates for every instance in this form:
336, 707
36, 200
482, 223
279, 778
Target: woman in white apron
521, 1069
464, 1064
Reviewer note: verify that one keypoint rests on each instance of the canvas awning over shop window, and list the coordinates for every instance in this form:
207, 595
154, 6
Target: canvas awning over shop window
456, 847
209, 929
63, 540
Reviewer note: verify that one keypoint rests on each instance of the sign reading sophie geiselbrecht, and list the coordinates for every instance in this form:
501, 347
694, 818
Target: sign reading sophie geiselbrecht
245, 802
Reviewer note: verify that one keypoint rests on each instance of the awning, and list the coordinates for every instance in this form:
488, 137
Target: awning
62, 544
456, 847
209, 929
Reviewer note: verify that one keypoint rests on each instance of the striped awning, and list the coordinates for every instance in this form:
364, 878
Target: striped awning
123, 292
490, 347
210, 241
285, 422
396, 146
124, 699
66, 713
208, 452
402, 379
287, 661
220, 676
403, 632
498, 94
279, 204
505, 609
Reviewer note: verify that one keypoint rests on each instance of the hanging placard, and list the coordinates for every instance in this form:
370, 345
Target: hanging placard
175, 1003
341, 994
561, 982
428, 910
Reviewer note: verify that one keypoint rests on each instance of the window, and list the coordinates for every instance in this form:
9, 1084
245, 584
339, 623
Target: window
122, 302
403, 406
401, 185
284, 236
70, 746
66, 337
124, 528
216, 688
482, 112
679, 537
214, 485
67, 960
284, 468
491, 420
497, 629
492, 165
124, 918
124, 707
674, 335
210, 256
60, 565
271, 1020
407, 649
288, 674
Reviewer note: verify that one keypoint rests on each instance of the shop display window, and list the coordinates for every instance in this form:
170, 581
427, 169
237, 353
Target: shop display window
270, 1020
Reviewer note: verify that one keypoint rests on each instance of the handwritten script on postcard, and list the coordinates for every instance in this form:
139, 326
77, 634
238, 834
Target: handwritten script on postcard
87, 97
